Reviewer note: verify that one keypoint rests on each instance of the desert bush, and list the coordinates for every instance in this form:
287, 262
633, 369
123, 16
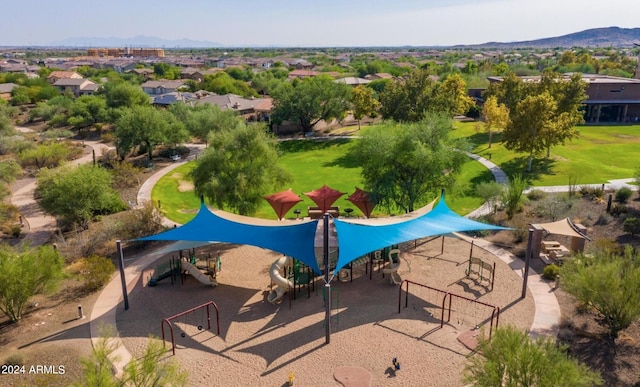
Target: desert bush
107, 137
623, 194
125, 175
520, 231
16, 359
57, 133
553, 207
603, 219
95, 270
512, 196
592, 192
490, 192
631, 225
618, 209
551, 272
14, 144
536, 194
140, 222
607, 246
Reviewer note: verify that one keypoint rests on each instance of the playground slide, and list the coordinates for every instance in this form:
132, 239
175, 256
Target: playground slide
197, 274
392, 268
282, 284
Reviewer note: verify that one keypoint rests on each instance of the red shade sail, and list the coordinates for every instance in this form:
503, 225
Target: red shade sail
361, 200
283, 201
324, 197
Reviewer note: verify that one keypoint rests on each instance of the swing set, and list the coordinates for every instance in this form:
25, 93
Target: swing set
472, 310
191, 313
484, 271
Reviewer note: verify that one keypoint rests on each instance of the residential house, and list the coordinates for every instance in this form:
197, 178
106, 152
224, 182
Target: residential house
55, 76
147, 73
174, 97
303, 74
252, 109
76, 86
6, 89
162, 86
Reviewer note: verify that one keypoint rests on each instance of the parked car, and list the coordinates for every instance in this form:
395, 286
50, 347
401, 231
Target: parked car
176, 157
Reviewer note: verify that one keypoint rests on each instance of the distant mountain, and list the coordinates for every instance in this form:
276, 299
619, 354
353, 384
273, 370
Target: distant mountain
137, 41
595, 37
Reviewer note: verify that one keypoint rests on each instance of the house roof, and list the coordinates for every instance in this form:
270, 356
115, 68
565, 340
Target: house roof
73, 82
166, 83
352, 81
7, 87
171, 98
64, 74
236, 102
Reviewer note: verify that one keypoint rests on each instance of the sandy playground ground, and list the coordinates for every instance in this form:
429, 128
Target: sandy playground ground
260, 343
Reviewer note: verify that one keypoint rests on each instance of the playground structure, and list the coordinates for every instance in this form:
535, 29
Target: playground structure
199, 275
278, 275
483, 271
170, 269
392, 268
466, 311
185, 313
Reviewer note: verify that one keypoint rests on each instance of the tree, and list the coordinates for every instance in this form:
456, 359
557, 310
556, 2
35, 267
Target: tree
25, 273
222, 83
402, 164
364, 103
542, 114
609, 283
202, 120
87, 110
530, 122
310, 101
78, 194
6, 127
418, 93
494, 115
408, 100
20, 96
239, 168
147, 127
450, 97
511, 358
120, 95
148, 370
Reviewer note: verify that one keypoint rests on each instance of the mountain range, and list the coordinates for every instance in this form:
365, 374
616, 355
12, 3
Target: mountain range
595, 37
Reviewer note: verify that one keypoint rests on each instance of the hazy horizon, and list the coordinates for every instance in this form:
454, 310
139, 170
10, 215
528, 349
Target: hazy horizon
287, 23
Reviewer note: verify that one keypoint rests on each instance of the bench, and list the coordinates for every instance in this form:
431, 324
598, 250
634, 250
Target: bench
316, 212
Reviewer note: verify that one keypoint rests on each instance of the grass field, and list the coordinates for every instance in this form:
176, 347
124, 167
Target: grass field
599, 154
312, 164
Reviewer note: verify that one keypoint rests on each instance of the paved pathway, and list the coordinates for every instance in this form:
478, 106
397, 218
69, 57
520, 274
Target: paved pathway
39, 226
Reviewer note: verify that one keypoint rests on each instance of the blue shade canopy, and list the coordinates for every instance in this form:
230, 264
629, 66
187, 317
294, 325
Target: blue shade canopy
295, 240
357, 238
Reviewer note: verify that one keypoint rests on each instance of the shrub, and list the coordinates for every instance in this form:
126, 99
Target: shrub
631, 225
95, 270
603, 220
617, 210
512, 197
14, 359
536, 194
592, 192
623, 194
551, 272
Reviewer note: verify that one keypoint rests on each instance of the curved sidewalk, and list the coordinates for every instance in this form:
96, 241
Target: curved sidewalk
545, 322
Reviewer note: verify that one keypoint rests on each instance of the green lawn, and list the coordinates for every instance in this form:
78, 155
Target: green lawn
312, 164
599, 154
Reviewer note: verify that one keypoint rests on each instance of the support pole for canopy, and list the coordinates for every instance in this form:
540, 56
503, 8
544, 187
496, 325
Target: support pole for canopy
122, 279
527, 263
327, 279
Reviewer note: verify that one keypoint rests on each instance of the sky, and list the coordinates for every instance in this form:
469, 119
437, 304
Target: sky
311, 23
